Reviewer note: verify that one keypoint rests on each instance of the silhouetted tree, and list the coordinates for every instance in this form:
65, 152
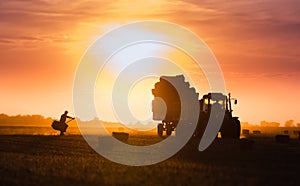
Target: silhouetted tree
289, 123
269, 124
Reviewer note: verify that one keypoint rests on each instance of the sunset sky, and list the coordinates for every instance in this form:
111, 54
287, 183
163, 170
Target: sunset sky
257, 44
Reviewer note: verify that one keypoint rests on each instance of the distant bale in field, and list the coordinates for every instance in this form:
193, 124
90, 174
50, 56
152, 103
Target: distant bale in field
122, 136
296, 133
246, 144
256, 132
245, 132
282, 138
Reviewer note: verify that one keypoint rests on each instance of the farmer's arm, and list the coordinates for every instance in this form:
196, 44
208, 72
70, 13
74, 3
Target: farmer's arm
70, 117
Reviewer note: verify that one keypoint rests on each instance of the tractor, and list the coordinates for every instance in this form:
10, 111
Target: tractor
166, 107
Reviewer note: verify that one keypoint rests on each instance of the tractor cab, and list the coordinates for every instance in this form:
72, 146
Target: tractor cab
213, 99
231, 125
222, 101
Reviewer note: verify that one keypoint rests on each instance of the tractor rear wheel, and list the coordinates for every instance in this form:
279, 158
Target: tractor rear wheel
237, 126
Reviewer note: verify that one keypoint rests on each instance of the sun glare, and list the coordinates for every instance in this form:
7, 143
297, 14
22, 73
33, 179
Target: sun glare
140, 95
140, 98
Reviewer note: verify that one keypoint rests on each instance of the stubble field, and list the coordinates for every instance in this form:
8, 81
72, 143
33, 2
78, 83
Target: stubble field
68, 160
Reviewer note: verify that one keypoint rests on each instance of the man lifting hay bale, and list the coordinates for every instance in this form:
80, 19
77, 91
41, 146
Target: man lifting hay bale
61, 125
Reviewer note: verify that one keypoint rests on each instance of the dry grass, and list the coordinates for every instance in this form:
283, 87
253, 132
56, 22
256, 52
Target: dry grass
68, 160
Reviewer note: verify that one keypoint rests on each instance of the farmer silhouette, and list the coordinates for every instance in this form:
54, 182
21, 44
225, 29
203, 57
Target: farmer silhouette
63, 119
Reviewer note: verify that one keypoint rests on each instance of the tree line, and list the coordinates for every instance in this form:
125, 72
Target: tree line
288, 123
18, 120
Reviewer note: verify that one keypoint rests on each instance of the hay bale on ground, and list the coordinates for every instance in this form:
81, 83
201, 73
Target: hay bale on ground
256, 132
282, 138
122, 136
245, 132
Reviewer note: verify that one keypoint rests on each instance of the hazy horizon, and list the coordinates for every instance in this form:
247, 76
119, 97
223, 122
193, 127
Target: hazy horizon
46, 121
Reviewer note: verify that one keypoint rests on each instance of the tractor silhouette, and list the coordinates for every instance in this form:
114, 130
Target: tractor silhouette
166, 107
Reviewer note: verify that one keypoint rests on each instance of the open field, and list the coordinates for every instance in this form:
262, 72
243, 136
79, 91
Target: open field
68, 160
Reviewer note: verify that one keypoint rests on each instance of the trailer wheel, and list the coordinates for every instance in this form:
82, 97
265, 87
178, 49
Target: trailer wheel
160, 129
169, 130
